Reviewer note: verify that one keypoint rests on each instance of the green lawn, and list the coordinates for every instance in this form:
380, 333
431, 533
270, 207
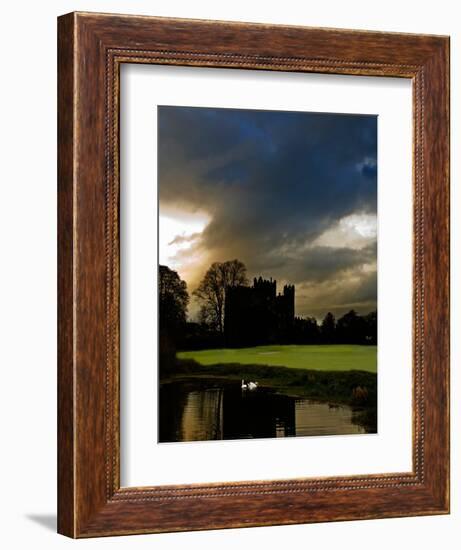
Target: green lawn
324, 358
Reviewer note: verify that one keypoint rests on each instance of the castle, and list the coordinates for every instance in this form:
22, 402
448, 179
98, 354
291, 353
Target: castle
257, 315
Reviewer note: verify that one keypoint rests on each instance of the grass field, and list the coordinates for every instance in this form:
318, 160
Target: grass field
323, 358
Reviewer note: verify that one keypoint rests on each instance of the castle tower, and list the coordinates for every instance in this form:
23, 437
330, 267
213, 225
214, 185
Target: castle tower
289, 294
257, 315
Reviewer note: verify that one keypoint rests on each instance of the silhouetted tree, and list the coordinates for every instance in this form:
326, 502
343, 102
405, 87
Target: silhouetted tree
328, 328
173, 301
211, 292
350, 329
371, 327
173, 298
305, 331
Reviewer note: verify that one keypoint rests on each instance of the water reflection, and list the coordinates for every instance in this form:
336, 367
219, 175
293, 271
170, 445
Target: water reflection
203, 410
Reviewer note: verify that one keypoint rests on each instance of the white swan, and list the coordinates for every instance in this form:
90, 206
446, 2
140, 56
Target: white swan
249, 385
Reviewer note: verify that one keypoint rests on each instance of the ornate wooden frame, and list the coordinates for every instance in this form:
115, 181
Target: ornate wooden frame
91, 49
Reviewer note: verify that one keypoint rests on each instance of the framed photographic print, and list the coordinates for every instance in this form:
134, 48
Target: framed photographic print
237, 203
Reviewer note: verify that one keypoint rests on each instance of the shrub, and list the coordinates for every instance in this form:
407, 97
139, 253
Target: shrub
360, 395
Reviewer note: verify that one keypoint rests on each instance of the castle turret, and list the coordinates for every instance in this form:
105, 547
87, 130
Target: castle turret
289, 294
265, 288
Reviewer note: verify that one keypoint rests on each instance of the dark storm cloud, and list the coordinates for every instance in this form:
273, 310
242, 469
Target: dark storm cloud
272, 182
316, 264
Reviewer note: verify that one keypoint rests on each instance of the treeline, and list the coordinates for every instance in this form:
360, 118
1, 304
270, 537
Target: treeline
351, 328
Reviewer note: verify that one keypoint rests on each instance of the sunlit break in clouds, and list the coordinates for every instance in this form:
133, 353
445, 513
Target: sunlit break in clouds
291, 194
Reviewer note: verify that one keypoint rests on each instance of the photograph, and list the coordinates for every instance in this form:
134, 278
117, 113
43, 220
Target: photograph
267, 273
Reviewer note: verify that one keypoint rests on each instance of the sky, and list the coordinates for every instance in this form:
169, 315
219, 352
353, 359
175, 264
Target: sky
291, 194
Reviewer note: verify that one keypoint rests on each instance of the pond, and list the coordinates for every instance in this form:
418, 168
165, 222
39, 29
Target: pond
203, 410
